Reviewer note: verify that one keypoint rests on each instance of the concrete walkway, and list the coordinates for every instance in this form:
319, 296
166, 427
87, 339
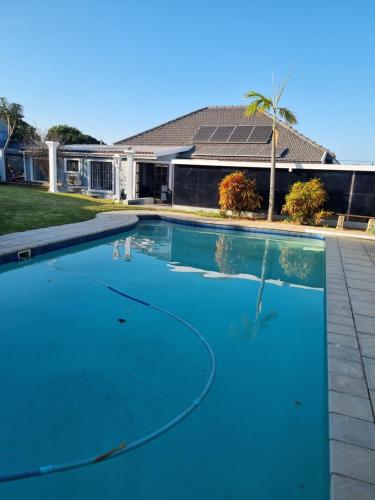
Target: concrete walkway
52, 238
351, 363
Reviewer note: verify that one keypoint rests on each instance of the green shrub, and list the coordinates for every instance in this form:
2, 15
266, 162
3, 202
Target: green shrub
304, 202
238, 194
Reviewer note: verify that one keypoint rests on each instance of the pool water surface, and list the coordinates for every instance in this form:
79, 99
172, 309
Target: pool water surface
83, 369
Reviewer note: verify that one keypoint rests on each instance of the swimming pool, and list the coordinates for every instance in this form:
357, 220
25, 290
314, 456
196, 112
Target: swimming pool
84, 369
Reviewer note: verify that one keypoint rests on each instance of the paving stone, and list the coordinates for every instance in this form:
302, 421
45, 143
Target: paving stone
361, 276
353, 461
345, 488
362, 295
367, 285
341, 329
365, 324
372, 397
347, 385
364, 308
369, 365
339, 319
344, 353
338, 297
352, 406
352, 430
367, 345
339, 308
345, 367
359, 267
342, 340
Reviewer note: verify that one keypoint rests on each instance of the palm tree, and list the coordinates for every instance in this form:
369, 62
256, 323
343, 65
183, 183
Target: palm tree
262, 104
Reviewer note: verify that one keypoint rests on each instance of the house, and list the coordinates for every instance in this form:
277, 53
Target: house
181, 163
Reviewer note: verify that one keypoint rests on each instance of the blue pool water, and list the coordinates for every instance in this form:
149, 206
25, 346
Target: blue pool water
83, 369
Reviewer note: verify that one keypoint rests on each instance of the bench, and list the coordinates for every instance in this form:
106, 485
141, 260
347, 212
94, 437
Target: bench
369, 218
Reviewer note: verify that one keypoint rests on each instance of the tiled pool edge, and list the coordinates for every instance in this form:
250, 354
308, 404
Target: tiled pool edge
44, 240
350, 305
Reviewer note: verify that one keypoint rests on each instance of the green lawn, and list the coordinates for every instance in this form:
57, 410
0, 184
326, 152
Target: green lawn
30, 207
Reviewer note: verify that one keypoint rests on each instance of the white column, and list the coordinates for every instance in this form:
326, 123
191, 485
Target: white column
3, 176
117, 176
52, 156
130, 175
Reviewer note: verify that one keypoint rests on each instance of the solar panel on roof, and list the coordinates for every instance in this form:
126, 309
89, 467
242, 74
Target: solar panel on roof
250, 150
221, 134
240, 134
260, 135
228, 150
206, 150
203, 134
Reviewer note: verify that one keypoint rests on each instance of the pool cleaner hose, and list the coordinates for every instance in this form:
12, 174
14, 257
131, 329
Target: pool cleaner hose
123, 448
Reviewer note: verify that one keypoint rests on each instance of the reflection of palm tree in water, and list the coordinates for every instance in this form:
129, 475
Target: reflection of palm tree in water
230, 261
261, 321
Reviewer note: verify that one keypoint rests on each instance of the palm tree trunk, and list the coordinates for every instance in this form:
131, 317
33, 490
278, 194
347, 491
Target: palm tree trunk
272, 173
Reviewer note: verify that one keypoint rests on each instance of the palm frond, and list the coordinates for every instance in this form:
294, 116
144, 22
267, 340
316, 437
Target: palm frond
287, 115
255, 106
252, 94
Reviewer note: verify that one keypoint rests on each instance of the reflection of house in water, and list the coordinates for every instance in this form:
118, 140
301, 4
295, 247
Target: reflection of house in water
219, 255
150, 238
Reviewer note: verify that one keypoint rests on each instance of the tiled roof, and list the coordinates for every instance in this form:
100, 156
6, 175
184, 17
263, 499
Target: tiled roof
182, 130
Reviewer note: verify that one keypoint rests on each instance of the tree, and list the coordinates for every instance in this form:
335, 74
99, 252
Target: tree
11, 115
25, 134
304, 202
262, 104
237, 193
70, 135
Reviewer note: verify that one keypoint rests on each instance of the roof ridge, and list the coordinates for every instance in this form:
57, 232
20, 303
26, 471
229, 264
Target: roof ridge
299, 134
160, 125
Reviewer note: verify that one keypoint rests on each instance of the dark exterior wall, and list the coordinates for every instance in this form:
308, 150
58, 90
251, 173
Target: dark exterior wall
198, 186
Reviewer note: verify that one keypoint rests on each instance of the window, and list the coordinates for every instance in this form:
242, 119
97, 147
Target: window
72, 166
101, 175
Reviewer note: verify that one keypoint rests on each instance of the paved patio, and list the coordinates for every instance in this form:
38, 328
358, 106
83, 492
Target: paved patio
350, 287
351, 363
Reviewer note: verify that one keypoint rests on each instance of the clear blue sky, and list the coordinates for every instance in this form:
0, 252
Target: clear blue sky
113, 68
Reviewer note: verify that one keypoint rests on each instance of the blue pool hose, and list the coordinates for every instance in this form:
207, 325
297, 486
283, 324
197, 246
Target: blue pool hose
126, 448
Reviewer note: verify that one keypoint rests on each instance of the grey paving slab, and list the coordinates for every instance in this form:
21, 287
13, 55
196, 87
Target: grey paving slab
353, 461
339, 308
367, 345
365, 324
347, 385
352, 406
367, 285
340, 319
364, 308
342, 340
369, 365
342, 352
345, 488
345, 367
338, 297
362, 295
341, 329
352, 430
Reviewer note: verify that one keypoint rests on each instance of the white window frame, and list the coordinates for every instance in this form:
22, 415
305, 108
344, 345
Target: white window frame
77, 172
101, 160
32, 172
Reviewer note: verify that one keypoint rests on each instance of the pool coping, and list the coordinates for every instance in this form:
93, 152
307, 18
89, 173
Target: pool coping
350, 333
